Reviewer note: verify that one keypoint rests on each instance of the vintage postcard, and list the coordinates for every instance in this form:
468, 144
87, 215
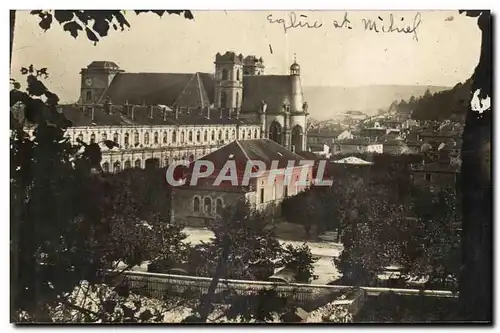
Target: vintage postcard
309, 166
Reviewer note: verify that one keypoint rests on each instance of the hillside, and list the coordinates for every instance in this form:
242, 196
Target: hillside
451, 104
330, 102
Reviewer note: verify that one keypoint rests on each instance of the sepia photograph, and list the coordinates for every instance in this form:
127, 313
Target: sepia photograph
250, 167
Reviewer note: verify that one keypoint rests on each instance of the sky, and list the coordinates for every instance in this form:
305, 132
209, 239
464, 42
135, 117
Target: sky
444, 51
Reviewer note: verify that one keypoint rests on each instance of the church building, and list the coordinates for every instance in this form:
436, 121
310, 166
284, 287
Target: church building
157, 118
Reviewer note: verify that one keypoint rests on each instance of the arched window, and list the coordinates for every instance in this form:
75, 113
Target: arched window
165, 137
80, 137
237, 99
105, 167
88, 96
255, 134
126, 139
223, 100
127, 164
198, 136
205, 136
191, 158
116, 167
137, 163
220, 134
219, 206
146, 138
116, 138
196, 204
92, 138
227, 135
225, 75
207, 205
155, 138
213, 135
190, 136
242, 134
104, 136
136, 138
182, 137
174, 136
238, 75
233, 134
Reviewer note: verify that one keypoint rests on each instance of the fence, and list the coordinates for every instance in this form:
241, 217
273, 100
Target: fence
161, 285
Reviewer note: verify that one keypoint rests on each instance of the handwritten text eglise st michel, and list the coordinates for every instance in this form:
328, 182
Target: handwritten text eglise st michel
378, 25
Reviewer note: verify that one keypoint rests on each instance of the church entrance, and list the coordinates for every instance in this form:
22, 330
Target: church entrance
275, 132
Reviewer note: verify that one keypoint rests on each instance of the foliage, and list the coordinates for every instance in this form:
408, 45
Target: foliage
300, 260
253, 244
443, 105
49, 183
419, 235
94, 23
321, 206
68, 221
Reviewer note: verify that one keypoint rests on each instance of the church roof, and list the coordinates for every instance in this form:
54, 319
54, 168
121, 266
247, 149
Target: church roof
142, 116
103, 64
272, 89
161, 88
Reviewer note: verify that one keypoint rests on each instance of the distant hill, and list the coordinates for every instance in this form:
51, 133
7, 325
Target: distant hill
330, 102
451, 104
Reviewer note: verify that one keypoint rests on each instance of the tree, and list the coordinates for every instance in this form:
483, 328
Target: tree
253, 244
419, 234
300, 260
372, 228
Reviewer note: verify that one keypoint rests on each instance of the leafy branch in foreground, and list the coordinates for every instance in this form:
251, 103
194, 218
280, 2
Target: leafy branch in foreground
95, 24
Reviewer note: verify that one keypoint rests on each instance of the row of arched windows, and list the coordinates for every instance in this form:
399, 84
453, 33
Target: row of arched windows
206, 205
117, 165
155, 139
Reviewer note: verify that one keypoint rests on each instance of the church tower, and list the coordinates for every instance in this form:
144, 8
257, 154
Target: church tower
95, 79
253, 66
298, 111
228, 80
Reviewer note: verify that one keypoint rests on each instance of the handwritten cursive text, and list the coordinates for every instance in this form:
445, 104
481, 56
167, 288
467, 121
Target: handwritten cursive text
391, 26
345, 23
294, 21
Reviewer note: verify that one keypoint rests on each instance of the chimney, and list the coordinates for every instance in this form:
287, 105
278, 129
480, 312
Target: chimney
151, 110
164, 114
188, 110
132, 113
176, 112
208, 112
221, 112
230, 110
92, 114
238, 113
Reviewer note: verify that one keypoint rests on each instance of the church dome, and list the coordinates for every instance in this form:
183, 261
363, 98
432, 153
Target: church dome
295, 68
